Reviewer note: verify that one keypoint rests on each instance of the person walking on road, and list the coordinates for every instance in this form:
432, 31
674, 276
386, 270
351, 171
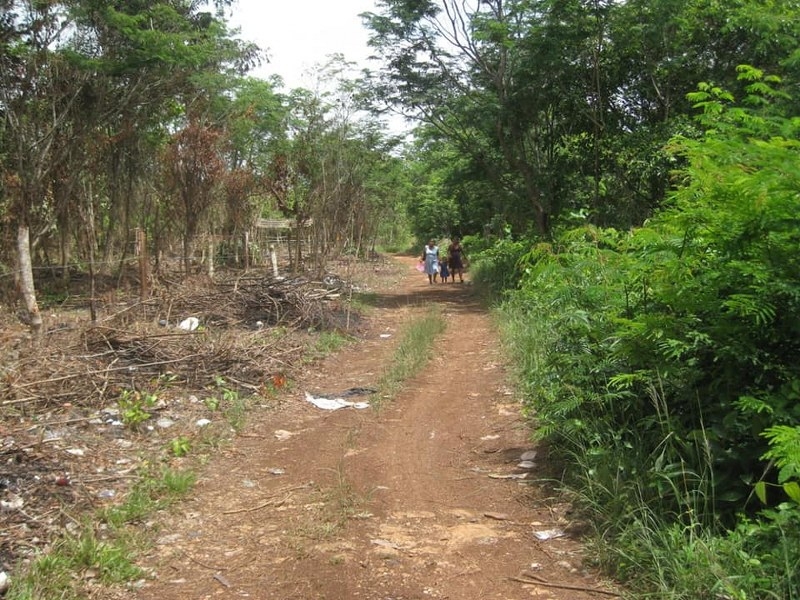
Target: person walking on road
430, 260
456, 259
444, 273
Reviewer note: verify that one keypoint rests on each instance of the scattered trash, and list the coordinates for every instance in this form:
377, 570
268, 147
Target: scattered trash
487, 438
334, 403
529, 455
548, 534
356, 391
165, 423
106, 494
221, 578
13, 503
526, 464
5, 582
189, 324
276, 471
202, 422
282, 434
386, 335
62, 480
75, 451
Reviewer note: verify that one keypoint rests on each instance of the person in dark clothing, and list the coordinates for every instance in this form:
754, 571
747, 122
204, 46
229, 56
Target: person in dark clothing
456, 259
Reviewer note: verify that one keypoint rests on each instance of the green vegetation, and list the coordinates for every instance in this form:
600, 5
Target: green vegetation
412, 353
134, 407
661, 363
82, 554
103, 553
180, 446
328, 342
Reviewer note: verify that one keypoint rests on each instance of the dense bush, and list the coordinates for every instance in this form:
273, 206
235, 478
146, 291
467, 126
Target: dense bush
663, 364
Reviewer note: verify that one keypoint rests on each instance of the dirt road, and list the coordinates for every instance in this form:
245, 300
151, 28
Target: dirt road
417, 500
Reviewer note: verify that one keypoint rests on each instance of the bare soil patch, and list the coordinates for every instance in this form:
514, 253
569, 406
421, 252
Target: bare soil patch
423, 498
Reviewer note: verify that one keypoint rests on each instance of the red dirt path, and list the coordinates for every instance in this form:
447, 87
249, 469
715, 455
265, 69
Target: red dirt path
401, 503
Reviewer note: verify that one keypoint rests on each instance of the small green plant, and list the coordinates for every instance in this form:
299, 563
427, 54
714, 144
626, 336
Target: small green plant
236, 411
165, 380
330, 341
134, 405
235, 406
153, 491
180, 446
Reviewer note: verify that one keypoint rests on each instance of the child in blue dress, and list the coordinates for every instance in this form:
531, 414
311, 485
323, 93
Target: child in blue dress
444, 272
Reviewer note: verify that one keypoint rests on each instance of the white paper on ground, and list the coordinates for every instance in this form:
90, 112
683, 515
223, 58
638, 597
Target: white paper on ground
334, 403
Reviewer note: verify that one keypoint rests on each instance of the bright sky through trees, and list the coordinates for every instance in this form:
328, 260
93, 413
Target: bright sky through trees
300, 34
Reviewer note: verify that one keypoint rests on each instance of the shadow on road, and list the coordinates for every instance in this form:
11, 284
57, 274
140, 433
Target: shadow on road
455, 296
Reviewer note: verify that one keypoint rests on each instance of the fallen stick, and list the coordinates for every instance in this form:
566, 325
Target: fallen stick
259, 507
270, 502
100, 372
564, 586
201, 563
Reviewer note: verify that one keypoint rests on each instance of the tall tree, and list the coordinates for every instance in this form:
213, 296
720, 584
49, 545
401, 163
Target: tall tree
82, 75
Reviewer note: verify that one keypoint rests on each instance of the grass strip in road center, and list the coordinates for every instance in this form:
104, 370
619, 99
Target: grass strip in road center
413, 353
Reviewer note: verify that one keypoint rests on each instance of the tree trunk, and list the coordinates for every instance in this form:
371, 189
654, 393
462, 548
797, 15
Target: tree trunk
26, 279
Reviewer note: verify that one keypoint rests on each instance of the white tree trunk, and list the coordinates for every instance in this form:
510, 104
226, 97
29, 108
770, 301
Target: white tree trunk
27, 288
211, 257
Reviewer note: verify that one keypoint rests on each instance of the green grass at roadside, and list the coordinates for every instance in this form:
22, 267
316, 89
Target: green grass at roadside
103, 551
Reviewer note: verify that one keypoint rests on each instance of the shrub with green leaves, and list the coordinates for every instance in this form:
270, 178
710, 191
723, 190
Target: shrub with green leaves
662, 363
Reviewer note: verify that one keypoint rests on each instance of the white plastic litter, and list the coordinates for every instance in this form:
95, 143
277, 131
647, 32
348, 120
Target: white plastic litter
548, 534
334, 403
189, 324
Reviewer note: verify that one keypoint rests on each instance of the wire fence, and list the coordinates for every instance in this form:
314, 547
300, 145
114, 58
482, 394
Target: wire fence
261, 248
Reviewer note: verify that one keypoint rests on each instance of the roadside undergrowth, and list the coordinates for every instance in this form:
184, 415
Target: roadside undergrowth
101, 551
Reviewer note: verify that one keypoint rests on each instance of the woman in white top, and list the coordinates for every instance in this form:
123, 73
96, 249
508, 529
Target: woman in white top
430, 258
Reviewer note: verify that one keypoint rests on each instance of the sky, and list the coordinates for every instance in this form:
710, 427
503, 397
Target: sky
298, 34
